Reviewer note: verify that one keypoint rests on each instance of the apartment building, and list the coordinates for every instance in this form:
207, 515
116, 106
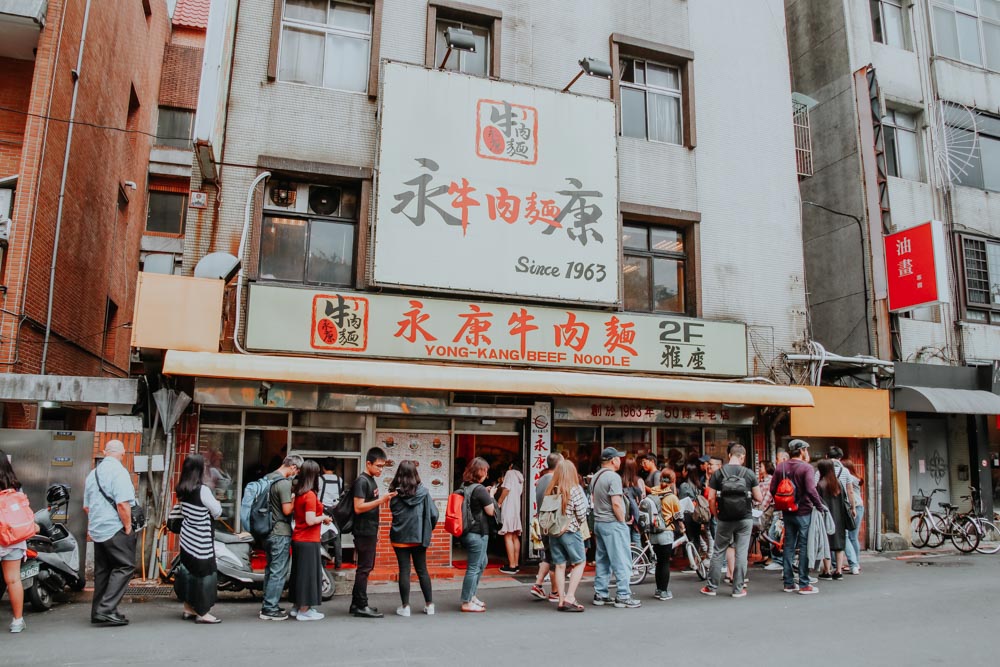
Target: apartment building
899, 224
452, 253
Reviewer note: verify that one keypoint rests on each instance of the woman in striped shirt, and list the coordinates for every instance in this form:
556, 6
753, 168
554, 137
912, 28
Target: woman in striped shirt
568, 547
199, 506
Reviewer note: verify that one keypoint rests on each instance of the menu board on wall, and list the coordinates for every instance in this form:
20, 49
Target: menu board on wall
430, 451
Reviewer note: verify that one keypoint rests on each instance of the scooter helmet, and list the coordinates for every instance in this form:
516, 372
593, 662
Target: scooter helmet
56, 494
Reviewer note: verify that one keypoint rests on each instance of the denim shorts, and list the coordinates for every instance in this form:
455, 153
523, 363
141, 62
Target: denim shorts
567, 548
12, 554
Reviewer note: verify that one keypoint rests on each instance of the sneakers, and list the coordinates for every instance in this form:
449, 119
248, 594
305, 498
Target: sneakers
663, 595
837, 576
293, 613
791, 589
772, 567
276, 615
311, 615
855, 570
506, 569
600, 600
429, 609
808, 590
537, 592
553, 597
826, 576
627, 603
17, 625
403, 611
742, 593
707, 590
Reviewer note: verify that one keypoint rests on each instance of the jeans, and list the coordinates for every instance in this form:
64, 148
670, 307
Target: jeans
419, 556
364, 557
613, 555
279, 566
796, 537
475, 547
731, 533
114, 565
853, 546
634, 537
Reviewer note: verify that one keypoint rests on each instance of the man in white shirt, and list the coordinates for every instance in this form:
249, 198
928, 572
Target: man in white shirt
108, 497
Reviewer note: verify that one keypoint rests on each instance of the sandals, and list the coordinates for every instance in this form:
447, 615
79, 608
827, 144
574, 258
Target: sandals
573, 606
207, 619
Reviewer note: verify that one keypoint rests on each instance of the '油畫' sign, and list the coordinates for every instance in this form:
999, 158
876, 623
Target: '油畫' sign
405, 327
915, 267
496, 188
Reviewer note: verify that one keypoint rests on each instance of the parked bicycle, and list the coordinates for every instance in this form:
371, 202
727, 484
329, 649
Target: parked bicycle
930, 528
989, 533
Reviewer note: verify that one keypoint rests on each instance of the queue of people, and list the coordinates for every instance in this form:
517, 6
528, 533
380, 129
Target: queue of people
819, 510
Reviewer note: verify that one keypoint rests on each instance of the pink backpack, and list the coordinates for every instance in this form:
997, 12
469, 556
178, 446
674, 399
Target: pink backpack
17, 521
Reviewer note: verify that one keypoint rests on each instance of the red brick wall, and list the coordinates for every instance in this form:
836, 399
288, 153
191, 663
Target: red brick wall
181, 76
438, 554
15, 93
99, 246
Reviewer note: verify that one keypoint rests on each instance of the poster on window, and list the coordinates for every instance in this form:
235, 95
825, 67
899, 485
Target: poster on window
491, 187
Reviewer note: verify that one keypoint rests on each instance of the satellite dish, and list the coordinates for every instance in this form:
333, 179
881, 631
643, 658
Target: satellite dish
955, 144
218, 265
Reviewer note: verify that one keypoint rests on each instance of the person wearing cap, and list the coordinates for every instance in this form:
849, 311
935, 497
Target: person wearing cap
611, 532
108, 498
800, 473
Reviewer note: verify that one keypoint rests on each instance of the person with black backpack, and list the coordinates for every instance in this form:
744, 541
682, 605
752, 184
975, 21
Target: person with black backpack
730, 491
278, 543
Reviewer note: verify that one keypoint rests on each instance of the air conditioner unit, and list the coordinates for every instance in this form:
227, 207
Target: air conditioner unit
4, 230
281, 195
324, 200
304, 198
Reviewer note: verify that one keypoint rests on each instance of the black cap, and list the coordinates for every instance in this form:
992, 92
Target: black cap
611, 453
704, 459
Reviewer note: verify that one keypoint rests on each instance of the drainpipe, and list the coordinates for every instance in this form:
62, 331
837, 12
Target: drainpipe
243, 242
62, 191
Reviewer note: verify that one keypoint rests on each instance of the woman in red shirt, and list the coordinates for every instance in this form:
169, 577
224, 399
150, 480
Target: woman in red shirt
305, 586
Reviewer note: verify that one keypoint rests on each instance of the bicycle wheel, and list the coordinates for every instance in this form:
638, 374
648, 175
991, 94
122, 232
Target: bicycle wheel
965, 535
989, 534
920, 531
640, 566
936, 523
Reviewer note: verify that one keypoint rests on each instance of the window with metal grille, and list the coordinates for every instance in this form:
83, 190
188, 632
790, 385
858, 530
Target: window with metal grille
981, 260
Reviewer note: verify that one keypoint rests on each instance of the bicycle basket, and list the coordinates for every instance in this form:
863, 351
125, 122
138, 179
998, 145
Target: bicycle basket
918, 503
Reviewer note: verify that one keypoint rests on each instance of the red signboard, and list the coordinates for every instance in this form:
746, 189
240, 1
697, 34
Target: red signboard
912, 258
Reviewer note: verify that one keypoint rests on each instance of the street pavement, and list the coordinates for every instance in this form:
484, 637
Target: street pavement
938, 609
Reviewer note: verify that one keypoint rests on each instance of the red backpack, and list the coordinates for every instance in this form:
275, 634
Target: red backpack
458, 514
17, 521
784, 495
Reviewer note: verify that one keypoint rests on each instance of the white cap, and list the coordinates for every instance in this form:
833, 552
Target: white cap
114, 447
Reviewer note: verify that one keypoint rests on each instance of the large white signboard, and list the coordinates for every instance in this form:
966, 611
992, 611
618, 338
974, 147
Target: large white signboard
476, 332
496, 188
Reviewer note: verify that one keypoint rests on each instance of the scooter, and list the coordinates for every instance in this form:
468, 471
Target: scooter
236, 558
53, 554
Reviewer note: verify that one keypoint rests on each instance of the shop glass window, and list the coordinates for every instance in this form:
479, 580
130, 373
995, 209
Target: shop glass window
326, 442
968, 30
982, 168
579, 444
633, 441
889, 23
477, 63
166, 212
326, 44
653, 269
221, 450
902, 157
174, 127
651, 101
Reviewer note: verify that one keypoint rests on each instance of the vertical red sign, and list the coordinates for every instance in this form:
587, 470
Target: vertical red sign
911, 267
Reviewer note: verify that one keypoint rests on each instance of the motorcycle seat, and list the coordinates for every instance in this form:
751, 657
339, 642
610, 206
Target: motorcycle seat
229, 538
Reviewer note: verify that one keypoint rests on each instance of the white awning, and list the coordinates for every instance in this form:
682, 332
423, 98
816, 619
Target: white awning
441, 377
952, 401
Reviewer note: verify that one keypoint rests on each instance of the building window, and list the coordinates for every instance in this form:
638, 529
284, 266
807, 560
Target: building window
326, 43
982, 279
653, 272
889, 23
968, 30
477, 63
309, 247
973, 161
651, 101
902, 157
174, 127
484, 24
166, 212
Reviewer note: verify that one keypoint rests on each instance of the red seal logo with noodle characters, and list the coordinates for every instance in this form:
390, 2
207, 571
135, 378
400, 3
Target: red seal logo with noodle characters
493, 139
